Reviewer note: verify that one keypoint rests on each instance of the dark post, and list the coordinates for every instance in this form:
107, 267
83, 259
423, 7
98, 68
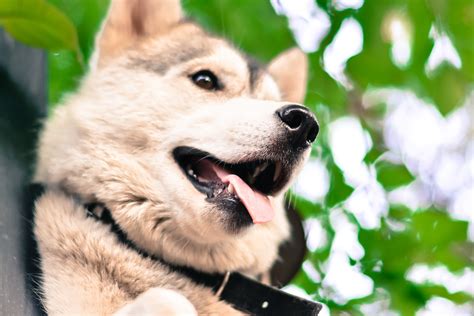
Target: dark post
22, 103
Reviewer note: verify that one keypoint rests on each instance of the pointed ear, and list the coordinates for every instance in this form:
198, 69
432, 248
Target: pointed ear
290, 71
129, 20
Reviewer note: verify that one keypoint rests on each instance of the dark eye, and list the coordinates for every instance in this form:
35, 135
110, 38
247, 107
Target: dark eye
205, 79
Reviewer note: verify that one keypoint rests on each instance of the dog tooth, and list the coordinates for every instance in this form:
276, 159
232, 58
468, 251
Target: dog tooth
259, 169
251, 179
277, 171
255, 173
231, 189
189, 170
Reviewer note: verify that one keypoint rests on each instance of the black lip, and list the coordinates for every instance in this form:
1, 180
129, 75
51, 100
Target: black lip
237, 216
184, 154
181, 152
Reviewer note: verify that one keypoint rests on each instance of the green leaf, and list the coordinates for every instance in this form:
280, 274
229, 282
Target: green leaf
339, 191
252, 25
64, 76
323, 89
456, 18
304, 281
65, 71
373, 66
39, 24
372, 155
430, 237
447, 87
304, 207
430, 290
440, 239
405, 296
86, 15
392, 176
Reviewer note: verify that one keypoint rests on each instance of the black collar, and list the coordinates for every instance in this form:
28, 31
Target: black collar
242, 292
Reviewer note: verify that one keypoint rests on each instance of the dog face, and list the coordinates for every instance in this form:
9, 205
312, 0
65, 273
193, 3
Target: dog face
189, 142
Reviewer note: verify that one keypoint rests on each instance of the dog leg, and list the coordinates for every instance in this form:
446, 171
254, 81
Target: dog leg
73, 279
158, 301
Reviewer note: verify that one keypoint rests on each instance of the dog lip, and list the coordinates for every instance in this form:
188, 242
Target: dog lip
272, 175
206, 188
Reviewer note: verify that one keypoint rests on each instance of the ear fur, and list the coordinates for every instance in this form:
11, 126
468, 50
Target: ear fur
129, 20
290, 71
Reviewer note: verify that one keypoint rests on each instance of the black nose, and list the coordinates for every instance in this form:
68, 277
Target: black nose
300, 123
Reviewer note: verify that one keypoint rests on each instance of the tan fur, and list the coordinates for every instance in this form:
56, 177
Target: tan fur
111, 142
130, 21
88, 272
286, 69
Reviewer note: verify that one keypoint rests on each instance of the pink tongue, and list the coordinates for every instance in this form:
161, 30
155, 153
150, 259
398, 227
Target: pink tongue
257, 204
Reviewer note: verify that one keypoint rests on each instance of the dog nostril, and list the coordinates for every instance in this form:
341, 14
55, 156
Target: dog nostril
300, 123
312, 133
293, 119
292, 115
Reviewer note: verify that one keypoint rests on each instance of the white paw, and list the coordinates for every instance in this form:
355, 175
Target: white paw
158, 301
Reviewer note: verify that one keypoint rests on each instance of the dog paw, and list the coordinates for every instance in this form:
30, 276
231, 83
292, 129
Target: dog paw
158, 301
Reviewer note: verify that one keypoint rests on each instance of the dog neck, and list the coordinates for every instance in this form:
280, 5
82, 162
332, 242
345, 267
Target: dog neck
242, 292
216, 281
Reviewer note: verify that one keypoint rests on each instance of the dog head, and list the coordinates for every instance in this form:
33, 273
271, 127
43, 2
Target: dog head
189, 142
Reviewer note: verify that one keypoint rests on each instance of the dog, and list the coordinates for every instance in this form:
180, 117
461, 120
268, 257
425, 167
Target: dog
189, 144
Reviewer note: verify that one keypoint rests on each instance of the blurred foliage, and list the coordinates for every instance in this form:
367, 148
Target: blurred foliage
38, 23
429, 237
67, 28
392, 176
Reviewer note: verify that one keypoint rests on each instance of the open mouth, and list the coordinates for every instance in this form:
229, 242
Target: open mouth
249, 182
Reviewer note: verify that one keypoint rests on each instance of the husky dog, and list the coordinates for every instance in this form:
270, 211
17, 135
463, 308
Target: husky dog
189, 144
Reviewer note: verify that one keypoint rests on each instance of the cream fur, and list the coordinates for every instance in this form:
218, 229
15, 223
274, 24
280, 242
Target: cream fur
112, 141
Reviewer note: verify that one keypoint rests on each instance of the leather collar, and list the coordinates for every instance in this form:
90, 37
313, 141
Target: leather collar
240, 291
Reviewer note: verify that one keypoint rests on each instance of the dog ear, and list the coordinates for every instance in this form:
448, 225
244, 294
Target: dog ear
290, 71
130, 20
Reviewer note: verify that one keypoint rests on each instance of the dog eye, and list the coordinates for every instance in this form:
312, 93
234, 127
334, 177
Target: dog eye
205, 79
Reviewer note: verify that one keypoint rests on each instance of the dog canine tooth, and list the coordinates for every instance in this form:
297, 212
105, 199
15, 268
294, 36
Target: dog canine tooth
255, 173
259, 169
251, 179
277, 171
231, 189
